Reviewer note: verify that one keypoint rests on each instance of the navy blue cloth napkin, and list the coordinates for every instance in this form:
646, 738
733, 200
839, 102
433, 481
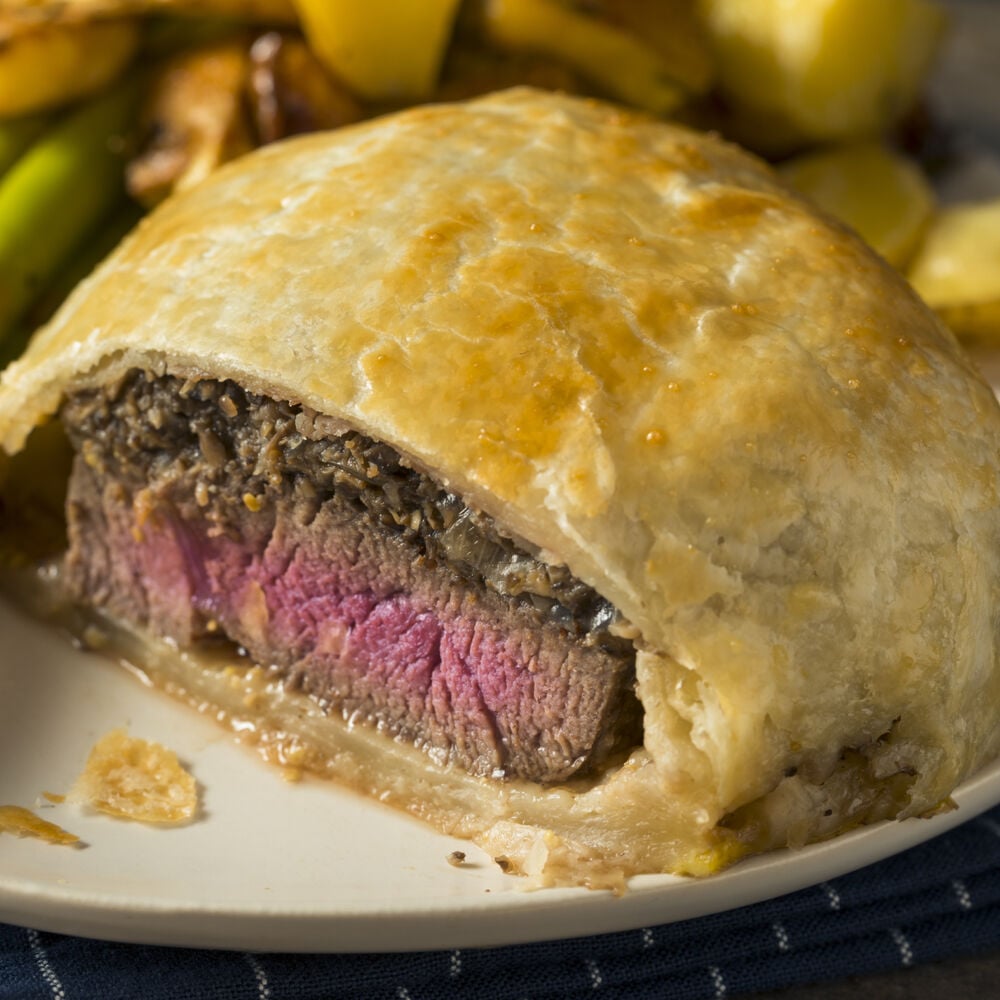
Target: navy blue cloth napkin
938, 900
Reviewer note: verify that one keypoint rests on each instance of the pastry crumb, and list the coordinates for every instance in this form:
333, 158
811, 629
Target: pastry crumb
23, 822
94, 639
137, 780
456, 859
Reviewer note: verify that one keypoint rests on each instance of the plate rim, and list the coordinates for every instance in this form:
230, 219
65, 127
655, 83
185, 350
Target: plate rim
506, 918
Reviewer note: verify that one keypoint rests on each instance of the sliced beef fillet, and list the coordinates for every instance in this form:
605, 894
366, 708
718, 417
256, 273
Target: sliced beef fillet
197, 510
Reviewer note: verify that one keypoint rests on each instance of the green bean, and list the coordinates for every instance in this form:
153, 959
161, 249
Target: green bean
96, 246
16, 135
57, 192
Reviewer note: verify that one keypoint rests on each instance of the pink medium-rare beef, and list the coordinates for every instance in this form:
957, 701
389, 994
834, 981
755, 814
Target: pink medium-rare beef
197, 510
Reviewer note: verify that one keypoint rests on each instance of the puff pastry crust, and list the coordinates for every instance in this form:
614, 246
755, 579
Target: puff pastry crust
632, 346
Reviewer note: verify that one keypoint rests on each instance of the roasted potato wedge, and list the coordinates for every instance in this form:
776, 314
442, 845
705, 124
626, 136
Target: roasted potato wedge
291, 92
673, 30
252, 11
384, 50
957, 269
617, 61
79, 59
880, 193
820, 70
194, 120
471, 70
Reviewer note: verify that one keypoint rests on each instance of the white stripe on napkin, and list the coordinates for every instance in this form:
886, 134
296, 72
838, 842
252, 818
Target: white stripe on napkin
962, 892
905, 949
992, 825
717, 981
45, 967
596, 979
782, 935
831, 894
263, 986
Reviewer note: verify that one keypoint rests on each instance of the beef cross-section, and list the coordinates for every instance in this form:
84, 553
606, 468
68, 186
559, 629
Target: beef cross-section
198, 510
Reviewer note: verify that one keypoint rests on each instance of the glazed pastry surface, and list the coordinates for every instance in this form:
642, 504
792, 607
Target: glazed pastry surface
631, 346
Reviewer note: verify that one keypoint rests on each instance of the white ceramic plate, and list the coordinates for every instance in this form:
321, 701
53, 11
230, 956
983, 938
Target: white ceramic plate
310, 867
302, 866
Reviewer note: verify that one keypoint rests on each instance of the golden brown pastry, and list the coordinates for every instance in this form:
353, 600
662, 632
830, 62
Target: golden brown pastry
699, 435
